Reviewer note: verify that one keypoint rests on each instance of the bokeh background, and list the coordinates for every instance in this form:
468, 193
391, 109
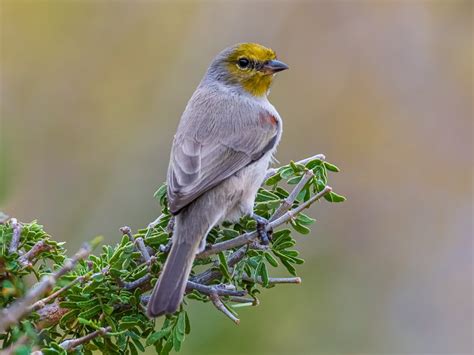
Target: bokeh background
91, 96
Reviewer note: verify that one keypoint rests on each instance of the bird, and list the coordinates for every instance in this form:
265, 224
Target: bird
223, 146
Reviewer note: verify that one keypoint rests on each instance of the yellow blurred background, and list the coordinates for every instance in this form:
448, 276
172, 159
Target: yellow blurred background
91, 95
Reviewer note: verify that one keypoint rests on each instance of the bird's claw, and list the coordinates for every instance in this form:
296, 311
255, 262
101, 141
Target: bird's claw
264, 234
165, 248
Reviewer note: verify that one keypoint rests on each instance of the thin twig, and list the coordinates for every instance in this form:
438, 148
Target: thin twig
41, 303
250, 236
21, 307
142, 248
253, 301
71, 344
288, 202
126, 230
220, 290
35, 250
80, 279
273, 280
131, 285
216, 301
210, 275
16, 227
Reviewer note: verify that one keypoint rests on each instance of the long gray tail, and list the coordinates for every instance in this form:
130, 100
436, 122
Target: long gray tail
169, 290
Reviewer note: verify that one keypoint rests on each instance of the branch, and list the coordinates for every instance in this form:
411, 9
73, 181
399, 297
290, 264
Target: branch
273, 280
210, 275
142, 248
288, 202
37, 249
220, 290
216, 301
250, 236
20, 308
74, 343
80, 279
16, 236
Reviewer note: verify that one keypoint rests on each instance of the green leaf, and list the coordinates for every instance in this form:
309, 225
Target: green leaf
154, 337
188, 324
181, 323
286, 172
273, 180
331, 167
90, 312
263, 273
271, 260
334, 197
304, 219
300, 228
223, 265
314, 163
294, 180
289, 267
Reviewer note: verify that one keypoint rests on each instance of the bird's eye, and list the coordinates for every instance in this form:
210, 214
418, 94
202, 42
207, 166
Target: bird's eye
243, 63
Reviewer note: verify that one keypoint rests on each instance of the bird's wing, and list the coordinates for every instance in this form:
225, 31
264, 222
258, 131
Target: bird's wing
199, 164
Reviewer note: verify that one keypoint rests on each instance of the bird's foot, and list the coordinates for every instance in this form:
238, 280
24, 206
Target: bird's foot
165, 248
264, 234
170, 226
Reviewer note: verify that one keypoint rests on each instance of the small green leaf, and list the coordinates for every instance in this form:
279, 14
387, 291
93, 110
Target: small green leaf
154, 337
331, 167
271, 260
273, 180
263, 273
90, 312
334, 197
223, 265
300, 228
304, 219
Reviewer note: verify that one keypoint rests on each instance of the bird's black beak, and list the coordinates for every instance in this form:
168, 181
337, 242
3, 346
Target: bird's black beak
274, 66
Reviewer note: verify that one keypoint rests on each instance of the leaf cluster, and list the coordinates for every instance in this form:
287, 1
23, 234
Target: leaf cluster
108, 289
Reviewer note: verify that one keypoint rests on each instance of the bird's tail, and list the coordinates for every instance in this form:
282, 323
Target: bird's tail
169, 290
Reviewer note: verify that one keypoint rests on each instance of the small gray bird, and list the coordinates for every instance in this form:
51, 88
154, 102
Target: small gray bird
221, 152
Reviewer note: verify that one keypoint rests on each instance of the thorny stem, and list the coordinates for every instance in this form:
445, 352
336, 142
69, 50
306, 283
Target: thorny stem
20, 308
16, 236
71, 344
250, 236
216, 301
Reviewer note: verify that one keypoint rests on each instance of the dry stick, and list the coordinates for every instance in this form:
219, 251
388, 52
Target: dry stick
38, 248
273, 280
216, 301
15, 237
288, 202
253, 301
211, 274
219, 290
250, 236
142, 248
43, 302
20, 308
74, 343
127, 231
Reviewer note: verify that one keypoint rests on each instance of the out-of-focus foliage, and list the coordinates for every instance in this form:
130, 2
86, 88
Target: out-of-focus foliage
99, 293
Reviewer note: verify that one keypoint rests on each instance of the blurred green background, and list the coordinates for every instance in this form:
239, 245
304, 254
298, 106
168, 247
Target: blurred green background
91, 96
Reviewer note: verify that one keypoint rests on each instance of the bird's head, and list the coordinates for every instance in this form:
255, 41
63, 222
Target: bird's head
247, 66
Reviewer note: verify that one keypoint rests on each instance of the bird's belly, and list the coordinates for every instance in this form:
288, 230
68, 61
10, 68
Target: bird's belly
243, 187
